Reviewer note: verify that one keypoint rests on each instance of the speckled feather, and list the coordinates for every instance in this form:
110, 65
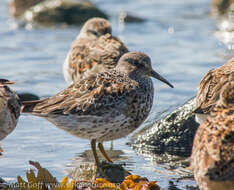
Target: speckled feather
213, 150
92, 54
210, 86
9, 109
105, 106
94, 92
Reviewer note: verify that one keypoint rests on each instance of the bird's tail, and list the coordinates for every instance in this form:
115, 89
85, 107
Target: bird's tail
28, 106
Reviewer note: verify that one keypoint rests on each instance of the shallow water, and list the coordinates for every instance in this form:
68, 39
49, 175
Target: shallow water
177, 35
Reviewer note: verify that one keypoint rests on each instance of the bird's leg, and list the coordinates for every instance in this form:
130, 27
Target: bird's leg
111, 145
93, 146
1, 150
102, 150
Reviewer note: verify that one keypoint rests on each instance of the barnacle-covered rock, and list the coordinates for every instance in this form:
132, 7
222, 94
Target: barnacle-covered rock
172, 134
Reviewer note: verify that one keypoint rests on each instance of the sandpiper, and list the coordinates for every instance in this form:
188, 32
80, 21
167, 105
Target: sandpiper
93, 51
213, 150
9, 109
209, 89
103, 107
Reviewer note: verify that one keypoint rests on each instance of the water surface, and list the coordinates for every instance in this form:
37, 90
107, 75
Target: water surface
178, 36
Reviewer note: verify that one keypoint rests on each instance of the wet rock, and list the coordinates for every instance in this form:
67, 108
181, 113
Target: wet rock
2, 180
50, 12
83, 167
26, 96
127, 17
172, 186
87, 171
115, 173
172, 134
220, 6
166, 160
18, 7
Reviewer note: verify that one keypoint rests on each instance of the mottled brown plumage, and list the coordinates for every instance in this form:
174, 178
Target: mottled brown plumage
209, 89
94, 50
106, 106
9, 109
213, 150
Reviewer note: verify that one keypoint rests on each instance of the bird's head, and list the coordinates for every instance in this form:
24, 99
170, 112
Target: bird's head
138, 64
96, 27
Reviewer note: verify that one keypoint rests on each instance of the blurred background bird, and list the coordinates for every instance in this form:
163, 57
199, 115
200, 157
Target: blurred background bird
213, 149
9, 109
93, 51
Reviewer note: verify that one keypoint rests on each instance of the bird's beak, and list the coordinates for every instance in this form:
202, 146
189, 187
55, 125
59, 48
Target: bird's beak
159, 77
6, 82
10, 82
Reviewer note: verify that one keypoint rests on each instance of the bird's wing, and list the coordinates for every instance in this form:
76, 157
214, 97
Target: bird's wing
87, 97
219, 142
108, 49
12, 99
87, 55
210, 86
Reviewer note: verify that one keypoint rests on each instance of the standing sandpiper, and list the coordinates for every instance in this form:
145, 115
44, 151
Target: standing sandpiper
213, 149
9, 109
103, 107
93, 51
209, 89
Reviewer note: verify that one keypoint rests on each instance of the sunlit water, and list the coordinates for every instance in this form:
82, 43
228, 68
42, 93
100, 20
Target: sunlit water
178, 36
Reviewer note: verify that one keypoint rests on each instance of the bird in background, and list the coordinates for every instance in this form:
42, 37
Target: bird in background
9, 109
210, 87
103, 107
94, 50
213, 149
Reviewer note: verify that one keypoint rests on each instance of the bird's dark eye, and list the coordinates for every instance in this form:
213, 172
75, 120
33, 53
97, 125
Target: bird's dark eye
93, 32
107, 31
140, 65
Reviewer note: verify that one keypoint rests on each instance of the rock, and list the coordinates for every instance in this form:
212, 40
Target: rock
2, 180
220, 6
50, 12
83, 168
115, 173
172, 134
127, 17
18, 7
26, 96
87, 171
